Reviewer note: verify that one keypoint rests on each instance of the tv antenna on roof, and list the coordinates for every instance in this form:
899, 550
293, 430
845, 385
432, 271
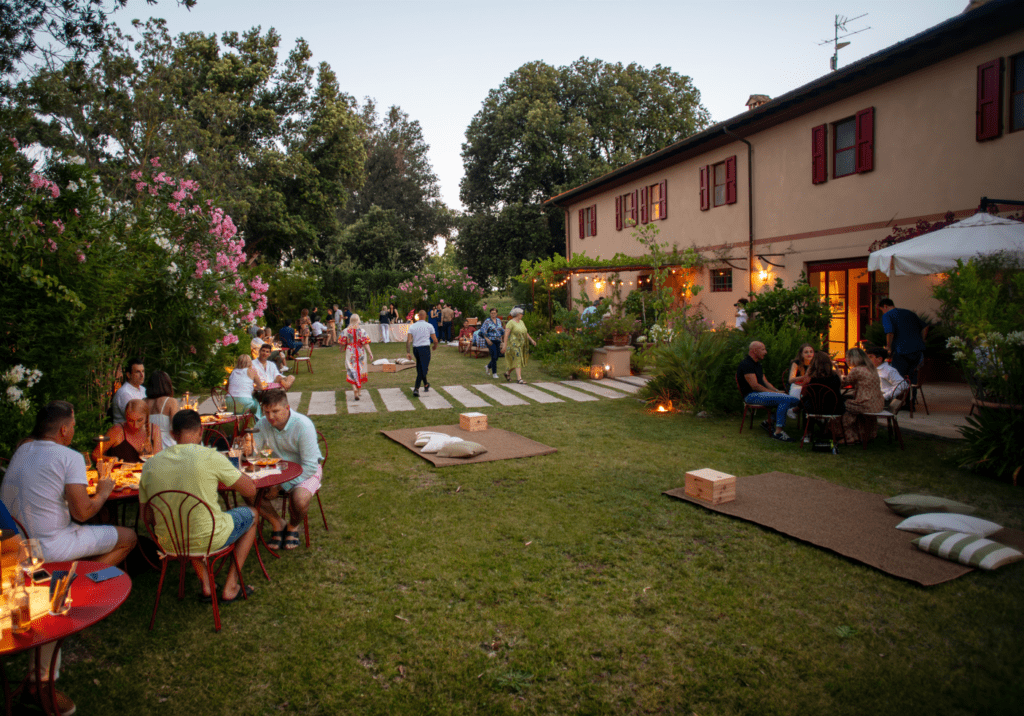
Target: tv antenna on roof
840, 26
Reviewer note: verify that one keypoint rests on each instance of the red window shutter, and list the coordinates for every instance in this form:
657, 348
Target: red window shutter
819, 153
664, 199
618, 213
865, 157
583, 225
705, 188
634, 213
730, 180
593, 220
990, 100
643, 206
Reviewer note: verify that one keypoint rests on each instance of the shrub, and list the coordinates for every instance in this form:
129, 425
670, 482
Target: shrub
798, 306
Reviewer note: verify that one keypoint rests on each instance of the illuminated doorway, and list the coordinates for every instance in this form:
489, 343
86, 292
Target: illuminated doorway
852, 294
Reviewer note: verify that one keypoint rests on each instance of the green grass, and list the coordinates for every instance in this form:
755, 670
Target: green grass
569, 584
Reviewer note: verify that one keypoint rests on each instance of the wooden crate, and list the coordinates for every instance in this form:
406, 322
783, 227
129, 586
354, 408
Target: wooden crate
473, 422
711, 486
389, 368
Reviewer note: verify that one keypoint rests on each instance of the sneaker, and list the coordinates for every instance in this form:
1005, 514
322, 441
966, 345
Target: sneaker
487, 370
791, 414
768, 426
65, 706
415, 393
782, 437
426, 388
494, 374
285, 369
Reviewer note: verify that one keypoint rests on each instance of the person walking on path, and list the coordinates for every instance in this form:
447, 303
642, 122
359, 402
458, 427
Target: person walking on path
385, 324
493, 333
356, 344
513, 345
421, 340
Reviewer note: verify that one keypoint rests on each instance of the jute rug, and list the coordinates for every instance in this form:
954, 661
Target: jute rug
398, 367
854, 524
500, 444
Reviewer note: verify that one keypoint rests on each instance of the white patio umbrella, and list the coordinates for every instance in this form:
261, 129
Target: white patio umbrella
938, 251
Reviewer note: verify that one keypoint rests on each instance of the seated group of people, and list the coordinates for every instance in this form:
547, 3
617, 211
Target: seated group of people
815, 386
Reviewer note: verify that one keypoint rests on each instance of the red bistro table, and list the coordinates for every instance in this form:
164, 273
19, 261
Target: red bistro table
90, 603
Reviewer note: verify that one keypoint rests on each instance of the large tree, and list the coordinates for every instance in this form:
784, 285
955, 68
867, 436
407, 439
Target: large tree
547, 129
278, 142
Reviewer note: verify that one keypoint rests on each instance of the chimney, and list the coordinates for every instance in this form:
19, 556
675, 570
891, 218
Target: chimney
756, 100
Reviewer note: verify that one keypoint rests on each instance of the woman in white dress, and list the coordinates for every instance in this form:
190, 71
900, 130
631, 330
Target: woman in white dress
241, 383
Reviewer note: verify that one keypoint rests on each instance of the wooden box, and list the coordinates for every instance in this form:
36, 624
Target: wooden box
473, 422
389, 368
711, 486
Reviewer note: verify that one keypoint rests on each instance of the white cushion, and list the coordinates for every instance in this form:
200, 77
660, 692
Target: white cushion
969, 550
423, 437
943, 521
461, 448
439, 441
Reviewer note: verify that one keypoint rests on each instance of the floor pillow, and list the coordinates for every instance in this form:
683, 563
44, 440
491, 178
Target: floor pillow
910, 505
970, 550
945, 521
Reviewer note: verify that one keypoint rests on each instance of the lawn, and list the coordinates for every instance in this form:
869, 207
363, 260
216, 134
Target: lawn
569, 584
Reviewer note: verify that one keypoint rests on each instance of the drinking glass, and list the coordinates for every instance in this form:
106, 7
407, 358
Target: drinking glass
88, 459
30, 557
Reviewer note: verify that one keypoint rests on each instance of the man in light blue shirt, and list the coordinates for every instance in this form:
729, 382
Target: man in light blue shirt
292, 437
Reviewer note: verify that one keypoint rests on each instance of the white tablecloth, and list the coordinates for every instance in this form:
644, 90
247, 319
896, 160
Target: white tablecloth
398, 332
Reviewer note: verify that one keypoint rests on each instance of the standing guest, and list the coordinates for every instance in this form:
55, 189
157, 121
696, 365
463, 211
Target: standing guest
904, 337
242, 382
347, 314
757, 390
385, 324
435, 321
132, 390
513, 344
162, 405
892, 383
356, 345
741, 312
44, 488
288, 341
135, 437
854, 425
191, 467
421, 340
292, 437
314, 315
332, 334
268, 372
447, 316
338, 319
494, 334
394, 314
304, 325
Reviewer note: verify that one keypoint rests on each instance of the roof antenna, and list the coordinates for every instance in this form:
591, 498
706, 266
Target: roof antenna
840, 26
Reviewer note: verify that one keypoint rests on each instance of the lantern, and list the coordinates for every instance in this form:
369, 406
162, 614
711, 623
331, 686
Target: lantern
596, 372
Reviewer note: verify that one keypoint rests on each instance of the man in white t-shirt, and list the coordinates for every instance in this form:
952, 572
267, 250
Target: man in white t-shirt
131, 390
268, 371
419, 342
255, 343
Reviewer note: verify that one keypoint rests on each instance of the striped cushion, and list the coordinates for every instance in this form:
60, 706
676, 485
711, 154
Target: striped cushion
908, 505
940, 521
970, 550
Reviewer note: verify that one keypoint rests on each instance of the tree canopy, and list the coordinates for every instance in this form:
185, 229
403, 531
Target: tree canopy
547, 129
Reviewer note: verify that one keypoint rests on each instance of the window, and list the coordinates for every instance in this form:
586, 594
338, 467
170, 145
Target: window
718, 184
853, 147
588, 221
625, 211
721, 280
990, 100
1017, 92
653, 202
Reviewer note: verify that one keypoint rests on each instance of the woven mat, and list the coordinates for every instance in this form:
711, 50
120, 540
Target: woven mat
398, 367
848, 522
500, 444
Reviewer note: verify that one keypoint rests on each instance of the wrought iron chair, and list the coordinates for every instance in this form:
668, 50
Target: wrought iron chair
752, 409
820, 403
322, 444
177, 511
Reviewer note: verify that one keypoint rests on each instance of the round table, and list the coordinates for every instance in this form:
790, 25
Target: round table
90, 603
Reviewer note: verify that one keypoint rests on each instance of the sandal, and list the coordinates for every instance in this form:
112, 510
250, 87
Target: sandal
291, 539
521, 381
276, 538
242, 594
507, 373
206, 598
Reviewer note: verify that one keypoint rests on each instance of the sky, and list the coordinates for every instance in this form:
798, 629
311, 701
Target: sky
438, 59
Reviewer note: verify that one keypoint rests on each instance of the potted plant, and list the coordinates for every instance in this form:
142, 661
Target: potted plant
617, 330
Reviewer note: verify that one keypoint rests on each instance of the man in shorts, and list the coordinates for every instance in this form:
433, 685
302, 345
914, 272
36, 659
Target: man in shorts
193, 468
44, 488
292, 437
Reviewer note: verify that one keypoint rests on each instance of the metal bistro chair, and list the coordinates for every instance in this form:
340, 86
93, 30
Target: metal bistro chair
819, 403
296, 359
321, 442
177, 514
752, 409
917, 391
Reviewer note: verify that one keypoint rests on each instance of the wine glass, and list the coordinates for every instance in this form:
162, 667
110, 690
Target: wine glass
30, 557
266, 451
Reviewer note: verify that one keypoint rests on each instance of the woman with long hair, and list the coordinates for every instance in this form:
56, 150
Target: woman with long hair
244, 379
855, 425
798, 372
513, 345
162, 405
356, 344
135, 437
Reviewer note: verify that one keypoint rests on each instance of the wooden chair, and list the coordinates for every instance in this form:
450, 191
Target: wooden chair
917, 391
819, 403
296, 359
892, 425
176, 510
321, 442
752, 409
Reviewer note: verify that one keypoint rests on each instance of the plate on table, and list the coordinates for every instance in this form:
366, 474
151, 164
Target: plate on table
267, 461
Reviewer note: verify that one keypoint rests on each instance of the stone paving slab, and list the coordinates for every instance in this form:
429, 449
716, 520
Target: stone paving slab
395, 400
620, 385
532, 393
594, 388
206, 407
634, 379
293, 400
559, 389
362, 406
432, 400
499, 395
322, 402
465, 396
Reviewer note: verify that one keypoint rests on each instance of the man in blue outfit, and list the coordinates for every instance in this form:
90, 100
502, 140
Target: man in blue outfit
493, 333
287, 335
757, 390
904, 337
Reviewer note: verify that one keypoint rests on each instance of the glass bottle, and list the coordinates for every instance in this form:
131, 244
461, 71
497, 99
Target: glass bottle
21, 613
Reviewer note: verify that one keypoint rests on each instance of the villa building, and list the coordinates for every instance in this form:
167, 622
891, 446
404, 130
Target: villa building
806, 182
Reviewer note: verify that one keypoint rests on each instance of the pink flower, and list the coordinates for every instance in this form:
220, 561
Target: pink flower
140, 186
60, 226
51, 244
191, 349
81, 257
14, 141
155, 161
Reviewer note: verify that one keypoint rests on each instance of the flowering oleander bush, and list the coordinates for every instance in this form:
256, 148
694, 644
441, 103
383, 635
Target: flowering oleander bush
454, 287
16, 405
90, 281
